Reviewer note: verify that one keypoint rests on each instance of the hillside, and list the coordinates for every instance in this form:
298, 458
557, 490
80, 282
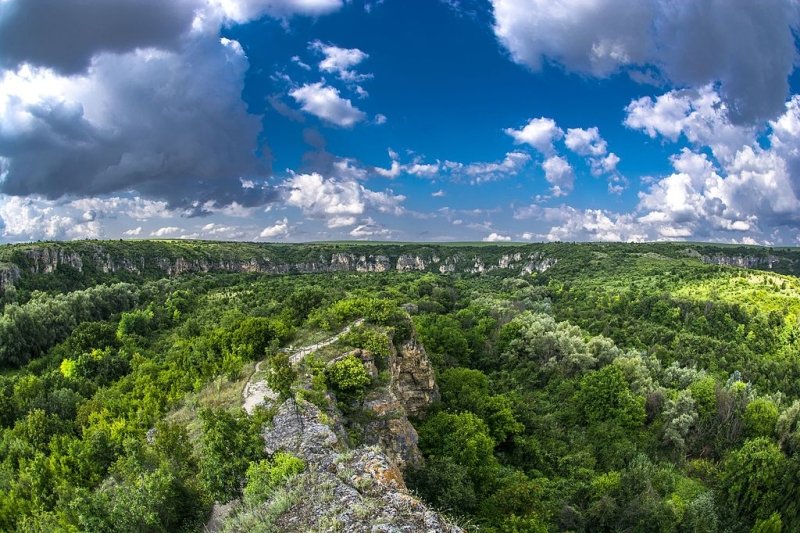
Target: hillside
177, 386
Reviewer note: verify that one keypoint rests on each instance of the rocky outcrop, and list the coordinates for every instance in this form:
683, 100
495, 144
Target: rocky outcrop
390, 430
298, 428
768, 262
359, 490
410, 391
45, 260
408, 263
538, 262
9, 275
413, 381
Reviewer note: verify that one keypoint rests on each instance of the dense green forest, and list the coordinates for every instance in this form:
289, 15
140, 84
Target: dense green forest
617, 388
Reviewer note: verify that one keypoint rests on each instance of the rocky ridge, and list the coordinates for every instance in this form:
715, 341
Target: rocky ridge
346, 488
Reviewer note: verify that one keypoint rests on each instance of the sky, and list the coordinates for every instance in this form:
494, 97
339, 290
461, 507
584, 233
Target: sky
400, 120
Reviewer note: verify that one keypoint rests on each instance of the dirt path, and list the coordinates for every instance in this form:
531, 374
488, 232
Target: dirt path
255, 392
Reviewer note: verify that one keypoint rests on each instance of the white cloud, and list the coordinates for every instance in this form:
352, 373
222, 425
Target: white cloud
341, 222
279, 229
165, 231
701, 116
340, 61
476, 172
684, 41
134, 232
370, 229
496, 237
325, 102
34, 219
559, 173
540, 133
110, 207
338, 201
241, 11
438, 194
511, 165
586, 142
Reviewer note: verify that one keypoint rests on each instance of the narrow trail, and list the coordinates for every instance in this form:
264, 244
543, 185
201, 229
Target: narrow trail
255, 392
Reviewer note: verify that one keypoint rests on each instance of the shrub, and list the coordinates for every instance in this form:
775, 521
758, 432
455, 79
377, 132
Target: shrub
264, 476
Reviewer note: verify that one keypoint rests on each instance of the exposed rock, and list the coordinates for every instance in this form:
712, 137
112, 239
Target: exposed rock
299, 428
478, 267
413, 380
390, 429
9, 275
407, 263
538, 262
358, 492
743, 261
45, 260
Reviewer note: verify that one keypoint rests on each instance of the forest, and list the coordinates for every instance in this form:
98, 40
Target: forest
612, 388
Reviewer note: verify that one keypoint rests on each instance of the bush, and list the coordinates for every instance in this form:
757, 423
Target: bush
348, 375
264, 476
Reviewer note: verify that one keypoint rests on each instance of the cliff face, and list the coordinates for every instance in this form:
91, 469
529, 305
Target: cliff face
9, 275
96, 258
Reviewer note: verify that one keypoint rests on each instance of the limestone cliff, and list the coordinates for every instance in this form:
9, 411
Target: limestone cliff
160, 259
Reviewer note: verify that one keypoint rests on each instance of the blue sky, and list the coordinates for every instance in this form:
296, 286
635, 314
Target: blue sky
296, 120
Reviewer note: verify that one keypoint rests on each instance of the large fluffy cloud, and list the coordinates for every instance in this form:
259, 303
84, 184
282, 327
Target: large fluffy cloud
66, 34
132, 122
110, 96
749, 185
338, 201
747, 47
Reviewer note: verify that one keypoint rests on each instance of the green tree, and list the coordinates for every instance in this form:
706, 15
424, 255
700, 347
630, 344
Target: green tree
281, 375
751, 478
229, 444
760, 418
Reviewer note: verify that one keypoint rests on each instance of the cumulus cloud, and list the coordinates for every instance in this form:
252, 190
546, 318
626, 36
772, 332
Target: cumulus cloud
166, 231
110, 96
699, 115
476, 172
133, 232
338, 201
559, 174
132, 122
137, 208
66, 34
34, 219
341, 61
370, 230
496, 237
326, 103
689, 43
566, 223
540, 133
278, 229
586, 142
